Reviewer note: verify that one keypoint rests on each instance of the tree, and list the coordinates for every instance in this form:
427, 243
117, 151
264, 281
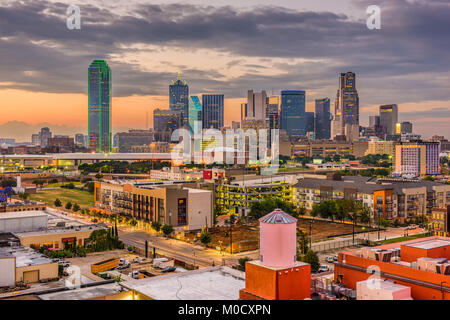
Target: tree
312, 258
261, 208
58, 203
68, 205
242, 262
98, 176
167, 230
156, 225
303, 242
24, 196
8, 183
91, 187
146, 248
206, 238
76, 207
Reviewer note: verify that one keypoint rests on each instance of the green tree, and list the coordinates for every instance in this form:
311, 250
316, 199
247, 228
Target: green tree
24, 196
156, 225
206, 238
312, 258
76, 207
303, 242
57, 203
261, 208
68, 205
242, 262
167, 230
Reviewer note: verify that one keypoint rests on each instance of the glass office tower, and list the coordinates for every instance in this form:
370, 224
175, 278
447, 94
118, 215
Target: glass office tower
322, 125
195, 114
99, 109
179, 99
213, 111
293, 112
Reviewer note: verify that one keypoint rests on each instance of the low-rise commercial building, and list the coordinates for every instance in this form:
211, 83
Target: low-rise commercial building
23, 221
175, 205
23, 264
420, 264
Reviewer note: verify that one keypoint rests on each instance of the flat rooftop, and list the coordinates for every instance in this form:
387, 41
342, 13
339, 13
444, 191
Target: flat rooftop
22, 214
385, 284
25, 256
215, 283
88, 227
429, 244
83, 293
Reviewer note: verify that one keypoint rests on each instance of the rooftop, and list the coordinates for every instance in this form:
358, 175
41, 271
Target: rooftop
366, 184
278, 216
22, 214
86, 227
83, 293
430, 244
215, 283
25, 256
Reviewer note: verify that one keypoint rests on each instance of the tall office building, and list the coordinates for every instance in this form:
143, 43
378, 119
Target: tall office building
322, 122
346, 115
44, 135
273, 112
213, 111
293, 112
125, 141
79, 140
309, 122
165, 122
256, 106
406, 127
374, 121
389, 118
99, 91
179, 99
195, 114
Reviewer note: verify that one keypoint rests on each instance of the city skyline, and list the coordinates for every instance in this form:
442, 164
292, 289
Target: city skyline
417, 84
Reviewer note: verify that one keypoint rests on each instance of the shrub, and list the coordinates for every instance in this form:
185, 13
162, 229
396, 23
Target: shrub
312, 258
156, 225
76, 207
68, 205
130, 249
58, 203
167, 230
206, 238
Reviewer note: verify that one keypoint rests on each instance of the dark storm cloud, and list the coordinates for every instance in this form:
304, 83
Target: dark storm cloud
414, 40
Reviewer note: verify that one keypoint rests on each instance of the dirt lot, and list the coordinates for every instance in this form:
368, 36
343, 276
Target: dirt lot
322, 230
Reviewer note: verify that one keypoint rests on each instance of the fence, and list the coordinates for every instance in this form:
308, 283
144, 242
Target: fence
332, 245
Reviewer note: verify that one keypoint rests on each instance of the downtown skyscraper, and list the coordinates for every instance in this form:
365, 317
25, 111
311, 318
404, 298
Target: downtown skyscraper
322, 121
293, 118
389, 118
99, 107
195, 114
213, 111
346, 113
179, 99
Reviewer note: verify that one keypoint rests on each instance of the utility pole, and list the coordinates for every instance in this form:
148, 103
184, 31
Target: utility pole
310, 233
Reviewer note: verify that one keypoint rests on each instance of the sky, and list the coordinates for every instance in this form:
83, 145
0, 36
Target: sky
220, 46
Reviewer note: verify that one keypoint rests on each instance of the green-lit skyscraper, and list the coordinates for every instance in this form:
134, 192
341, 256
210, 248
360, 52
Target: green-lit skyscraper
99, 113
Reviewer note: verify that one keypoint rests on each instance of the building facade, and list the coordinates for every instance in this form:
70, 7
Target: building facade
179, 99
322, 123
389, 118
125, 141
293, 112
417, 158
346, 118
99, 113
213, 111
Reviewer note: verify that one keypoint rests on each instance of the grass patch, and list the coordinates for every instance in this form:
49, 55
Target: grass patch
394, 240
83, 198
59, 184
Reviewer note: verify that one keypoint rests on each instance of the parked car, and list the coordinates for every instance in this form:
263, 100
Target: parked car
169, 269
329, 259
64, 263
323, 268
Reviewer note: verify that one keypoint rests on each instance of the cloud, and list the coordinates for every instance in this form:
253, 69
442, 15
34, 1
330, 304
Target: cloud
399, 63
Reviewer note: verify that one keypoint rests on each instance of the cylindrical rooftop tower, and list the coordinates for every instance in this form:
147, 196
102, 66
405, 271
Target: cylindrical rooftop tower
278, 241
